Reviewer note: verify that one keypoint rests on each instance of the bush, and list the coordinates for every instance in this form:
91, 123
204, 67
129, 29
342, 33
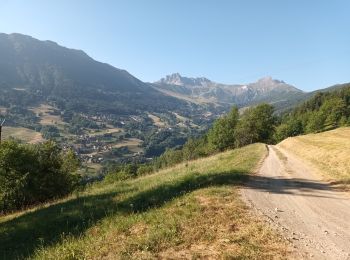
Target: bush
144, 169
292, 127
31, 174
50, 132
121, 172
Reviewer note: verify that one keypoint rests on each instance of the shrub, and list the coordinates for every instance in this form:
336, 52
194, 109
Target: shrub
31, 174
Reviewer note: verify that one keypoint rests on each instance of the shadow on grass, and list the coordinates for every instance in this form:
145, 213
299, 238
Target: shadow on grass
20, 237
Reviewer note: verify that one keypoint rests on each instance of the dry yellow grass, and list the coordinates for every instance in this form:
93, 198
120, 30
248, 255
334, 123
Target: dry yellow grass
3, 110
111, 130
24, 134
43, 111
329, 152
133, 144
184, 119
43, 108
156, 121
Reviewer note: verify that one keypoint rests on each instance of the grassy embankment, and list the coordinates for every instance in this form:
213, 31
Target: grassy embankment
329, 152
191, 210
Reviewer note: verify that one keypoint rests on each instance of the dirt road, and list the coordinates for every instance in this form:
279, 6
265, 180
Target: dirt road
310, 213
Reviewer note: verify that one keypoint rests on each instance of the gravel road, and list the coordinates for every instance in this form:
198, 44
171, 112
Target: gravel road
309, 212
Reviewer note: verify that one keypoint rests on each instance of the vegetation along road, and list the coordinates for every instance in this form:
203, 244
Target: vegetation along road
311, 213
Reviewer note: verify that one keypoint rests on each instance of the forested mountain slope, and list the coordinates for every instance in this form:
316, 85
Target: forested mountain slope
323, 111
35, 71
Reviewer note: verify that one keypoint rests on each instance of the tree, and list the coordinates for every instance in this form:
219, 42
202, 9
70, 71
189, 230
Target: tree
292, 127
256, 125
221, 135
333, 110
315, 122
32, 174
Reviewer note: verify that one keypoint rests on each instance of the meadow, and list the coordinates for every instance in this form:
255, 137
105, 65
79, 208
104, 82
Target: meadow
328, 152
192, 210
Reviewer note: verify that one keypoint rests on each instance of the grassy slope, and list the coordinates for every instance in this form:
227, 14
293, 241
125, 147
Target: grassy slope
188, 211
328, 151
24, 134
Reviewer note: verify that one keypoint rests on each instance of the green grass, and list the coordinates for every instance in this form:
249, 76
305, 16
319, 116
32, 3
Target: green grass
188, 211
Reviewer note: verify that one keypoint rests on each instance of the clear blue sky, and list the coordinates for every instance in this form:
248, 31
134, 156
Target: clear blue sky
303, 42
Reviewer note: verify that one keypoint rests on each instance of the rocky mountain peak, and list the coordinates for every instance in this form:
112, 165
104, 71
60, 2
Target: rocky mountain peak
270, 81
177, 79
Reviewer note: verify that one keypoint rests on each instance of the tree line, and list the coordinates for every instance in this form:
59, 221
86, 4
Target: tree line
233, 130
324, 111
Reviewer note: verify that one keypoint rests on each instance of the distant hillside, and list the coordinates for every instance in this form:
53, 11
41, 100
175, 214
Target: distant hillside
332, 88
204, 90
323, 111
32, 71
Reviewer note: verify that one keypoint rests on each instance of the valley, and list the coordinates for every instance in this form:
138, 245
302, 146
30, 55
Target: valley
97, 164
104, 138
105, 114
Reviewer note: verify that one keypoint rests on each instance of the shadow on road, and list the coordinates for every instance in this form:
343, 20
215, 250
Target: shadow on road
292, 186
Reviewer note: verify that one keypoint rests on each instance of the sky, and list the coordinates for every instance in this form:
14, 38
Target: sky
306, 43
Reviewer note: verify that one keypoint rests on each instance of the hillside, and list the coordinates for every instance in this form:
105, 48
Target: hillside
95, 108
44, 70
203, 90
323, 111
189, 211
329, 152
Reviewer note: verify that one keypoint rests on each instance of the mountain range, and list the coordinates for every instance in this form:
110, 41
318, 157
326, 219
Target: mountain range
34, 71
203, 90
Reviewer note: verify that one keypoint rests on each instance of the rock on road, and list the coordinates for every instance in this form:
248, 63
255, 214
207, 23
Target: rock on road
310, 213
